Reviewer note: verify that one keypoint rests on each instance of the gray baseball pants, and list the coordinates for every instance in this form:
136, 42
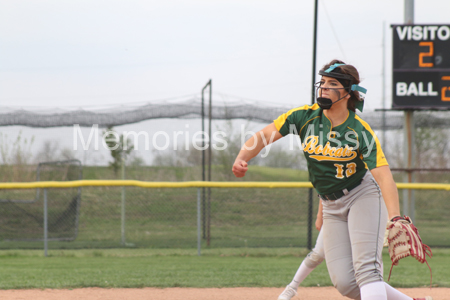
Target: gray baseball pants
353, 233
317, 255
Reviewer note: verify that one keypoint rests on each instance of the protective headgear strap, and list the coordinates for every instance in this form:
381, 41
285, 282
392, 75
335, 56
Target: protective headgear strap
359, 104
358, 88
336, 74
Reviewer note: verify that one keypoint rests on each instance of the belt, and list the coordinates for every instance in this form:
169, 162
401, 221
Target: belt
339, 194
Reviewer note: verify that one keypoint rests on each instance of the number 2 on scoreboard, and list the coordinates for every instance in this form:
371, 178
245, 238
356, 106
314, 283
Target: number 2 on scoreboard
430, 53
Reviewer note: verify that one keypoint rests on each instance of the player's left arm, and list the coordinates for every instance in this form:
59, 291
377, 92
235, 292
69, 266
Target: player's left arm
385, 180
376, 162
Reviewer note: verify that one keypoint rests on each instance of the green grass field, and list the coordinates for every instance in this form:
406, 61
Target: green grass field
183, 268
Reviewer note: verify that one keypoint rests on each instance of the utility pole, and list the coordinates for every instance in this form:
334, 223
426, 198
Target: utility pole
409, 133
310, 191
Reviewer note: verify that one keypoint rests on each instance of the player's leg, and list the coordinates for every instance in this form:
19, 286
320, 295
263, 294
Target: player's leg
337, 247
317, 255
381, 290
367, 219
311, 261
367, 236
393, 294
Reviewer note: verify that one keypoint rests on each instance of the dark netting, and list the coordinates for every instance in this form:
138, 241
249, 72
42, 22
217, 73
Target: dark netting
22, 219
191, 108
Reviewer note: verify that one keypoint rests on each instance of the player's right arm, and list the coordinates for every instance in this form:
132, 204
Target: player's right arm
319, 219
253, 146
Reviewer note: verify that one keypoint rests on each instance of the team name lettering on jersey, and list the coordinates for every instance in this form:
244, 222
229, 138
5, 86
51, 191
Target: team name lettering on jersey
320, 153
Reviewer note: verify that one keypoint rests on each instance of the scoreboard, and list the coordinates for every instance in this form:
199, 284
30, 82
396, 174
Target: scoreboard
421, 66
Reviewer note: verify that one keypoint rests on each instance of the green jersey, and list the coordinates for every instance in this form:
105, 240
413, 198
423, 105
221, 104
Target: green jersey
338, 156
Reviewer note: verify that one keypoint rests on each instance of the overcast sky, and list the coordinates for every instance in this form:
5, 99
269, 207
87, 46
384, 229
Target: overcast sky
85, 53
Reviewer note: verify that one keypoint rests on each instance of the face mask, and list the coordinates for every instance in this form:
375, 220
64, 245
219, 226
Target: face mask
326, 103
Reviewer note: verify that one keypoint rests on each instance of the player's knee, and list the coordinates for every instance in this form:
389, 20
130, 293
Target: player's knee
368, 274
314, 258
348, 287
350, 291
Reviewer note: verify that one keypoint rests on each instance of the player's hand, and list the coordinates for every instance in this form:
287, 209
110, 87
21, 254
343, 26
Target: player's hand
319, 222
239, 168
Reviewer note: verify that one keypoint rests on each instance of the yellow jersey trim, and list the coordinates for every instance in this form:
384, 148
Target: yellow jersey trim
381, 160
306, 123
279, 122
348, 114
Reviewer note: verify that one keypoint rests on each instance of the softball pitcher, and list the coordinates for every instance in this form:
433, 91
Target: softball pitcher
351, 175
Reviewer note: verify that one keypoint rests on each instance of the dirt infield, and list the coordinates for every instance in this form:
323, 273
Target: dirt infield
312, 293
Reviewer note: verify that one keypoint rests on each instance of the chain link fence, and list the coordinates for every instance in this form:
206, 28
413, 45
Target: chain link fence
168, 217
22, 211
157, 218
